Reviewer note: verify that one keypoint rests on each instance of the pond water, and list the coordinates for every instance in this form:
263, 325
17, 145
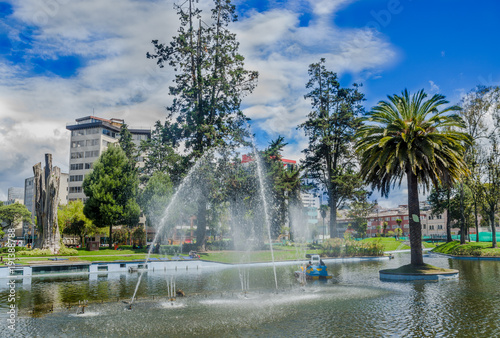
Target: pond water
355, 303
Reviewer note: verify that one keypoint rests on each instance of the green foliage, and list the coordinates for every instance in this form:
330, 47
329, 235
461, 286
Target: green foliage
155, 196
127, 144
14, 213
64, 251
72, 220
160, 156
16, 248
210, 81
111, 189
336, 247
36, 252
220, 245
138, 234
409, 136
120, 236
331, 127
359, 209
285, 185
469, 249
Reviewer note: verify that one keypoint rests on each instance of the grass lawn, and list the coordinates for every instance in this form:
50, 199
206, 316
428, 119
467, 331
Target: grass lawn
389, 243
290, 253
468, 249
418, 269
106, 251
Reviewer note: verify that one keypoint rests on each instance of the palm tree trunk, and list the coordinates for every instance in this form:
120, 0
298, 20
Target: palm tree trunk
448, 221
414, 219
462, 215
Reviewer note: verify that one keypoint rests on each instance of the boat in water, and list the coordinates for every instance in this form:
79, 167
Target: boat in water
314, 270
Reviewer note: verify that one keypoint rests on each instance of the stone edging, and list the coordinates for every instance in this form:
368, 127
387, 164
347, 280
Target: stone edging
434, 276
474, 258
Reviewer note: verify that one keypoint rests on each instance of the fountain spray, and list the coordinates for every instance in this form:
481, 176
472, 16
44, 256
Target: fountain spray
163, 220
264, 201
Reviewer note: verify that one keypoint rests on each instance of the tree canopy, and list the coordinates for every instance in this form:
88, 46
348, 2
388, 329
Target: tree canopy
111, 189
331, 127
410, 136
14, 213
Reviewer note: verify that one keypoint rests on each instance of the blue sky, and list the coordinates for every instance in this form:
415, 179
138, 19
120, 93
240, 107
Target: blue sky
60, 60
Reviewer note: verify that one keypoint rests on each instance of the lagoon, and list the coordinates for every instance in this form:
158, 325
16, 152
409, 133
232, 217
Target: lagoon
355, 303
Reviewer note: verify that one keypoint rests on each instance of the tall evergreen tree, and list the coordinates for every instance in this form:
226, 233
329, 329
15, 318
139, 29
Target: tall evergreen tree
331, 127
160, 155
127, 144
492, 187
210, 82
111, 189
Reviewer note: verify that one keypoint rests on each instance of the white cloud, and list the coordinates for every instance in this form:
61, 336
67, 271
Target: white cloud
116, 80
434, 87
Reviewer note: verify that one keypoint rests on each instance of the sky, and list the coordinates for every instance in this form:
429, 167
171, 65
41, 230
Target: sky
61, 60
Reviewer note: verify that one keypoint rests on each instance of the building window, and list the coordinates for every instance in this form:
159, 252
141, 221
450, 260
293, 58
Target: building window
77, 155
92, 153
430, 217
75, 190
76, 178
431, 227
76, 166
94, 142
405, 218
77, 144
424, 226
109, 133
439, 216
78, 132
91, 131
440, 227
89, 165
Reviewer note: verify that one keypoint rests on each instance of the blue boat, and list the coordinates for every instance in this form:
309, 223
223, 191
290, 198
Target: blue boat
314, 270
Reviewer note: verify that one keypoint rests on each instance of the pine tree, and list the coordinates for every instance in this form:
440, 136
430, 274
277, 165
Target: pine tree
331, 127
210, 82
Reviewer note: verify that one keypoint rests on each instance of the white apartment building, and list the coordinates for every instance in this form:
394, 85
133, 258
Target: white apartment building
15, 193
311, 206
90, 137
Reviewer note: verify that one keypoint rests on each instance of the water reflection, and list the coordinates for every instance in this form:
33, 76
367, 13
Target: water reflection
354, 303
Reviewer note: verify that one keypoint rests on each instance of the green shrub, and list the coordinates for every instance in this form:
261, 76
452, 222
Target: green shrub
131, 247
220, 245
36, 252
350, 248
16, 248
332, 247
64, 251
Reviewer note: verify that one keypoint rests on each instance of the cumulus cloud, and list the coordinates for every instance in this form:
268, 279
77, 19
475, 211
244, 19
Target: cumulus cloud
114, 79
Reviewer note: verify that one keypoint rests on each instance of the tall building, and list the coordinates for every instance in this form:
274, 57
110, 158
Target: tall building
15, 193
90, 137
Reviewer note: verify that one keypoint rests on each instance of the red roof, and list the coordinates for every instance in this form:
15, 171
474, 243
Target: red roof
247, 159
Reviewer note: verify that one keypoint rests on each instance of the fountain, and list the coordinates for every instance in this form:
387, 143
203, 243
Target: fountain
264, 202
164, 218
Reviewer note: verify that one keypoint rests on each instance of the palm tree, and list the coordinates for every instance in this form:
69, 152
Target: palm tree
411, 136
